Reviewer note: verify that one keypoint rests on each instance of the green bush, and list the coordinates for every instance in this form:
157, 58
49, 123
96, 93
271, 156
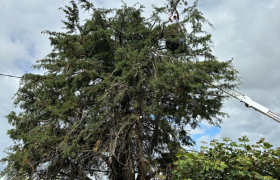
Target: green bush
229, 160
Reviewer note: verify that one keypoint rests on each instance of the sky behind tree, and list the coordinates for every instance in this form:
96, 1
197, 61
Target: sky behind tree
247, 31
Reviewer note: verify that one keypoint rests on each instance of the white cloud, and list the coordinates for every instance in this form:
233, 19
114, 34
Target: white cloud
201, 142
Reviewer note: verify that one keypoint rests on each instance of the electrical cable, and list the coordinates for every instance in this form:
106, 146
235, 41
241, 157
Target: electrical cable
10, 76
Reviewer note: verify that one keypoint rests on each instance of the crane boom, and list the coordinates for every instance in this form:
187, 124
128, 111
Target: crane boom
249, 102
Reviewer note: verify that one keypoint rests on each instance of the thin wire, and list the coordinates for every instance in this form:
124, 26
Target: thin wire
10, 76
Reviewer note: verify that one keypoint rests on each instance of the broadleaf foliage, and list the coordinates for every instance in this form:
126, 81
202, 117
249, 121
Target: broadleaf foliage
222, 161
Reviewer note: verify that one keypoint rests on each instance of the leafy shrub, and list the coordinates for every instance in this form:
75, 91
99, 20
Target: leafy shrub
229, 160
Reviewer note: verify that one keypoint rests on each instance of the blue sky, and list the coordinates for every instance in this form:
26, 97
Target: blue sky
247, 31
212, 131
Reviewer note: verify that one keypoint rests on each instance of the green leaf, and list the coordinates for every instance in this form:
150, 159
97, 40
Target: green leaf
233, 144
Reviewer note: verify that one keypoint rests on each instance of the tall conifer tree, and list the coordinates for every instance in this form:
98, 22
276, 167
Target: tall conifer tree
113, 100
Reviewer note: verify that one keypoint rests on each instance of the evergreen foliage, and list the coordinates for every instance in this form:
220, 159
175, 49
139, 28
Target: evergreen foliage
228, 160
113, 100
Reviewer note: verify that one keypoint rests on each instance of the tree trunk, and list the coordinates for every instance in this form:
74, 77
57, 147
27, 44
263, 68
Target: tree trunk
141, 160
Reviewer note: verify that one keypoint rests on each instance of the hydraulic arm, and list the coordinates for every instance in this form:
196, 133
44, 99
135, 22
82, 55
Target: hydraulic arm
249, 102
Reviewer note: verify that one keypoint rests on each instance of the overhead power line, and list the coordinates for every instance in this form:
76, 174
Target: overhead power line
10, 76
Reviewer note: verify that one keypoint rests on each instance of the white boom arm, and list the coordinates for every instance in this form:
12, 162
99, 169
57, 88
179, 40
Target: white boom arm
249, 102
